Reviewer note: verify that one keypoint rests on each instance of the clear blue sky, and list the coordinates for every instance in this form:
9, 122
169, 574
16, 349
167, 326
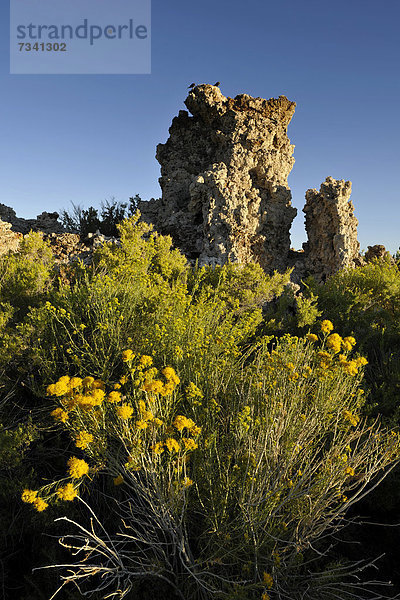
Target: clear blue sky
86, 138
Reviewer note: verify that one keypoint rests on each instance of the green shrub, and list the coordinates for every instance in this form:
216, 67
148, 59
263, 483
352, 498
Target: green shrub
25, 276
225, 482
219, 460
365, 302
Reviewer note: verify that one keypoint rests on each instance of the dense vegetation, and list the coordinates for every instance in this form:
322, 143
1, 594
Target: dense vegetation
194, 433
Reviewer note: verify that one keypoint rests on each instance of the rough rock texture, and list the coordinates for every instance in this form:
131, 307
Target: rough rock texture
378, 251
331, 229
68, 247
9, 240
224, 174
46, 222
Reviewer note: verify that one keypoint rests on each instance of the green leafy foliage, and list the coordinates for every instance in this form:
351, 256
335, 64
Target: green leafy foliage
216, 440
25, 276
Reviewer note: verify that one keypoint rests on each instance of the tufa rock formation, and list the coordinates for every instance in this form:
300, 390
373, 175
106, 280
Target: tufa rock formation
46, 222
225, 194
331, 229
9, 240
378, 252
224, 175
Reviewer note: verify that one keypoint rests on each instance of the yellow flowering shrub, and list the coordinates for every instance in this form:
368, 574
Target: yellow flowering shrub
240, 452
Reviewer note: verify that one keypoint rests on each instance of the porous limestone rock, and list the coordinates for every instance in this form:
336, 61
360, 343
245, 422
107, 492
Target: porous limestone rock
46, 222
378, 252
224, 173
9, 240
331, 229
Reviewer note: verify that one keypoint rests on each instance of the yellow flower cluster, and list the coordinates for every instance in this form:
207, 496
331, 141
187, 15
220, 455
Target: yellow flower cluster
64, 385
31, 497
351, 366
189, 444
325, 359
114, 397
156, 386
145, 361
172, 445
125, 411
193, 392
77, 467
268, 580
158, 448
181, 422
76, 393
312, 337
326, 326
83, 439
59, 414
89, 400
334, 342
349, 416
146, 417
127, 355
67, 493
348, 343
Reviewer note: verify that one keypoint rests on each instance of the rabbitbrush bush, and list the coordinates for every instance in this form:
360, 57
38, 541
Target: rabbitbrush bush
222, 487
226, 459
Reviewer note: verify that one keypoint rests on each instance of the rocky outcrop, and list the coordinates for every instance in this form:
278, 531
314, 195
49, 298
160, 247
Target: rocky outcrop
225, 195
331, 229
9, 240
378, 252
66, 247
224, 174
46, 222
